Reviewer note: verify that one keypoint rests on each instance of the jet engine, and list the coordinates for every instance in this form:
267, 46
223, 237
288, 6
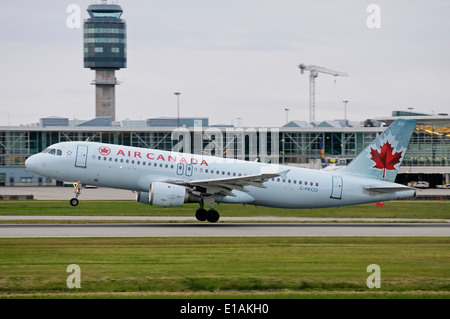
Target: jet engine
166, 195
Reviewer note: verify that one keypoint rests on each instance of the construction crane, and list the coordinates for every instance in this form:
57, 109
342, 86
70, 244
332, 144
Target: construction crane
313, 73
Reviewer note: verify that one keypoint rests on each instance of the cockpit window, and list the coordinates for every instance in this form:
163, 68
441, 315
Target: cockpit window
52, 151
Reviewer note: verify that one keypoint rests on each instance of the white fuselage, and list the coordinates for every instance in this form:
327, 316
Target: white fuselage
135, 169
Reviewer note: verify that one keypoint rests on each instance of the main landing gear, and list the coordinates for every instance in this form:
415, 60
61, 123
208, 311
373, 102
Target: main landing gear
210, 215
74, 201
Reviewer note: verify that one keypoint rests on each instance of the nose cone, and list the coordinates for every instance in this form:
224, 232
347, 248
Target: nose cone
31, 163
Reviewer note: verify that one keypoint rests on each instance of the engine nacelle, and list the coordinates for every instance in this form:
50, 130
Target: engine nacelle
166, 195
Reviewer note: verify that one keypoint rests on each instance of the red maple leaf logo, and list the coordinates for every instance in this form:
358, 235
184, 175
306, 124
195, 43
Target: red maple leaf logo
385, 159
104, 150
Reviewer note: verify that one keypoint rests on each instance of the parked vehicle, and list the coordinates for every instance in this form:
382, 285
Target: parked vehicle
421, 184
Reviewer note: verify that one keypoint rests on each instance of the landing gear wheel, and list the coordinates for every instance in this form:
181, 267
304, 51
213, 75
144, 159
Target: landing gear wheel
78, 187
201, 214
212, 216
74, 201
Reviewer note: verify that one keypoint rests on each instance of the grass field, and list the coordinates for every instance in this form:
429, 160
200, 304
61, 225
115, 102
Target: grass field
414, 209
226, 267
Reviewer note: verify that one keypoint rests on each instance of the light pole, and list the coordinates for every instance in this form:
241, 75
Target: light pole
287, 110
345, 112
410, 110
178, 108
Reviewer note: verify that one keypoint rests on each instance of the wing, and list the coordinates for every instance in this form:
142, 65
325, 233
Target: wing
225, 186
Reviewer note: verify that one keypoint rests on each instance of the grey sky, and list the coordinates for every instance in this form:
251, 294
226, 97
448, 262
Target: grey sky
231, 59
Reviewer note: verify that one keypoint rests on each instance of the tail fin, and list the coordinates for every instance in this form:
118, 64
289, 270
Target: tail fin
382, 158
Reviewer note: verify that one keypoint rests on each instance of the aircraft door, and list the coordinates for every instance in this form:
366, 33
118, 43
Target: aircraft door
180, 169
81, 157
336, 188
188, 169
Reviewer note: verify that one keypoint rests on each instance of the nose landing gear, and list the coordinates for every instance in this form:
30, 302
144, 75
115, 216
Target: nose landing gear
74, 201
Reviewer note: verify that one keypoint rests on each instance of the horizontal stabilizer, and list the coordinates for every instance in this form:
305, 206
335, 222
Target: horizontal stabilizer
387, 189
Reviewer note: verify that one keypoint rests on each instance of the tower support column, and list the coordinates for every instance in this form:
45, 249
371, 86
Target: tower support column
105, 93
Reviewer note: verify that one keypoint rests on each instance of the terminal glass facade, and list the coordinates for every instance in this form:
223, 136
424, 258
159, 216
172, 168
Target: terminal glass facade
293, 146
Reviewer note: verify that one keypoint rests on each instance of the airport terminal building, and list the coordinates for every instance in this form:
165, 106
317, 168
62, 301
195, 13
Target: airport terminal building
297, 143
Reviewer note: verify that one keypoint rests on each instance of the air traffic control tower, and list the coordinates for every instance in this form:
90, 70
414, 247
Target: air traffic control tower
105, 52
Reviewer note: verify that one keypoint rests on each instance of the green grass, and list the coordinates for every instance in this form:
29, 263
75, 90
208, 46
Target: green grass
416, 209
226, 267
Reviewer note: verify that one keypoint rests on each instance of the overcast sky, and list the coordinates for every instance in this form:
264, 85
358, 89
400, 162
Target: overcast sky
231, 59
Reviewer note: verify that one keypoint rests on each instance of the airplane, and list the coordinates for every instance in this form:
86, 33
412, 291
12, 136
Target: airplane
170, 179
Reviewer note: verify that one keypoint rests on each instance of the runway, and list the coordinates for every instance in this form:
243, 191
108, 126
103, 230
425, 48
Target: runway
227, 230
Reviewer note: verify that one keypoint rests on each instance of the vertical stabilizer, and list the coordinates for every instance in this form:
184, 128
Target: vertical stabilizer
383, 157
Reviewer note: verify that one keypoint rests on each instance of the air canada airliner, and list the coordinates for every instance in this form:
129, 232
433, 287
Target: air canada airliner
170, 179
